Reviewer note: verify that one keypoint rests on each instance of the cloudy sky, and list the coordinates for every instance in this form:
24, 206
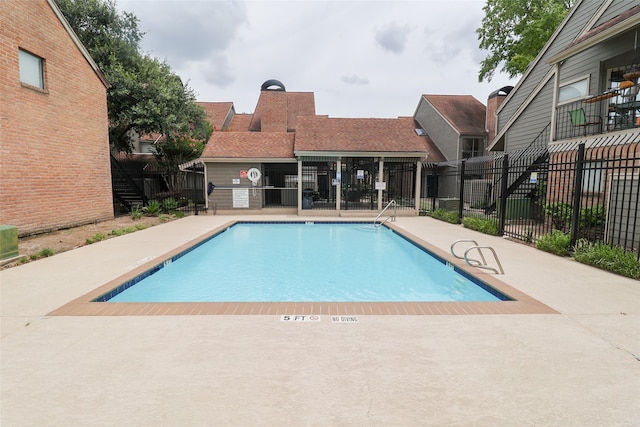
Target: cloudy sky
361, 58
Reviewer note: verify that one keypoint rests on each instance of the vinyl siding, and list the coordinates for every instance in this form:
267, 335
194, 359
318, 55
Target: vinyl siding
532, 121
624, 227
594, 62
526, 87
222, 175
439, 130
615, 9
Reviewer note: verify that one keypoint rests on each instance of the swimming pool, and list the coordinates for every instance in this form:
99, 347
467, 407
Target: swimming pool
311, 261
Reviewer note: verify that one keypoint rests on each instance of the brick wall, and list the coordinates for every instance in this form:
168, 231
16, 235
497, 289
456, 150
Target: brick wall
274, 111
493, 103
54, 147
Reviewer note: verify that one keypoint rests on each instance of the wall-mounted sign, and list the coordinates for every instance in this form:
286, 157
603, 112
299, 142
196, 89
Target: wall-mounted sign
235, 181
360, 174
240, 197
243, 174
533, 178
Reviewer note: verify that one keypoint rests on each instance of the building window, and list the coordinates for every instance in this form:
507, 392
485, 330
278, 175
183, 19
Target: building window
592, 181
574, 90
31, 69
471, 147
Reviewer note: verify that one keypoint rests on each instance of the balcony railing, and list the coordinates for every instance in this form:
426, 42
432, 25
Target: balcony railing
611, 111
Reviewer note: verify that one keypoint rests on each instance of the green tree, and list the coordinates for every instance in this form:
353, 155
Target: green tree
173, 151
514, 32
149, 98
181, 144
145, 95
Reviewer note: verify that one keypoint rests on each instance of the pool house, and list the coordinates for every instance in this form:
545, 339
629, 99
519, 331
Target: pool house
284, 158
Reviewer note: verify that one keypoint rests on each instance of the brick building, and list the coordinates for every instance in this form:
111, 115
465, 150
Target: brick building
54, 142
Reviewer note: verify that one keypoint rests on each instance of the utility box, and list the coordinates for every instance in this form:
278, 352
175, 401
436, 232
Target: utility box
517, 208
8, 241
449, 204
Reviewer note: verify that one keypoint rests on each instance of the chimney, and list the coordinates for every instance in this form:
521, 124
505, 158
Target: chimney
274, 111
271, 112
496, 98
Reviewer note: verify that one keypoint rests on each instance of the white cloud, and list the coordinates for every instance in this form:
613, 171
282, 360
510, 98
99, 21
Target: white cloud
360, 58
355, 80
392, 37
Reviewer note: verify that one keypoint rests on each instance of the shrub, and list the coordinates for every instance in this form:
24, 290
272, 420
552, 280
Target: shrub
611, 258
43, 253
96, 238
445, 215
46, 252
593, 216
136, 212
153, 208
169, 204
556, 242
560, 214
127, 230
483, 225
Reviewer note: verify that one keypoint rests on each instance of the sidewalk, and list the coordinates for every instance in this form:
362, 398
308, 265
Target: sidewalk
580, 367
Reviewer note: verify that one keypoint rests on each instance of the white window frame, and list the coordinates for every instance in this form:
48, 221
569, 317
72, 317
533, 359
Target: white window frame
31, 69
592, 177
583, 92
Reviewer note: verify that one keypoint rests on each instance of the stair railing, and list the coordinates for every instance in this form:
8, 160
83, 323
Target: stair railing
391, 217
121, 172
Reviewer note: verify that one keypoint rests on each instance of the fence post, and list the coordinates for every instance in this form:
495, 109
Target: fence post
502, 207
434, 191
461, 200
577, 196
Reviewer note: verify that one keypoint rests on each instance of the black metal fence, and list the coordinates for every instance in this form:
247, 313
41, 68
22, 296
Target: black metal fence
589, 192
137, 181
358, 178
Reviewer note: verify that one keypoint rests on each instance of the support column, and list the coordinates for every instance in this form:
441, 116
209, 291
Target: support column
380, 178
554, 110
206, 188
299, 186
339, 186
418, 185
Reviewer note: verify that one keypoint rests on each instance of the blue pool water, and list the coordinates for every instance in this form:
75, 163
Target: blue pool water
305, 262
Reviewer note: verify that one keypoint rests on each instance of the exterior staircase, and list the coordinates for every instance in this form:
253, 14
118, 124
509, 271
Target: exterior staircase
534, 158
125, 190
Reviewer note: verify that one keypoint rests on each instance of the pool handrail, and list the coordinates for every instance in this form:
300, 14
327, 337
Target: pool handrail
475, 262
484, 261
495, 256
392, 217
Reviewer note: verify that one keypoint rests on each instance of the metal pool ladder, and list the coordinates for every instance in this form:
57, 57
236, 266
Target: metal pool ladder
392, 217
475, 262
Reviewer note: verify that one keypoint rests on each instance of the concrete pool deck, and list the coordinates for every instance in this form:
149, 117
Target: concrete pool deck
577, 367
